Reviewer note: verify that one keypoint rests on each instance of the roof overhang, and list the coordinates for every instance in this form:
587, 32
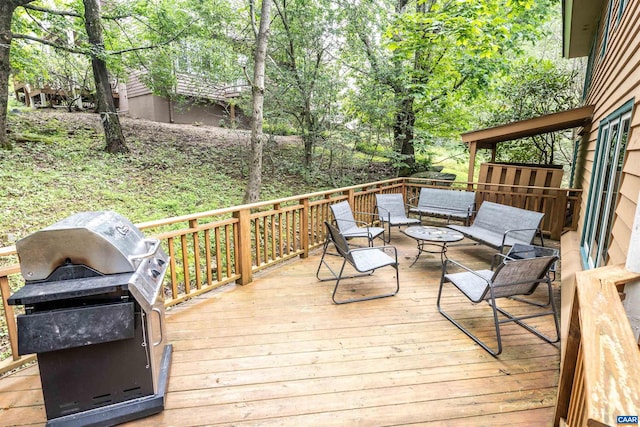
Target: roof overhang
580, 23
488, 138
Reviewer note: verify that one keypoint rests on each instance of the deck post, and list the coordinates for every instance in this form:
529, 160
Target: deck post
558, 214
473, 147
243, 257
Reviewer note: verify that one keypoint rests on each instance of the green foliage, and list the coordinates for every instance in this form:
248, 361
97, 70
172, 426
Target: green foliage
57, 169
533, 88
430, 61
303, 74
278, 127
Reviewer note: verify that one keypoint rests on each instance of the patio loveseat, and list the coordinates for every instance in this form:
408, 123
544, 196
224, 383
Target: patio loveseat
449, 204
498, 226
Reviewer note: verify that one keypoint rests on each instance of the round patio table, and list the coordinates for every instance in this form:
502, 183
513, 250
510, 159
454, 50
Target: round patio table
432, 239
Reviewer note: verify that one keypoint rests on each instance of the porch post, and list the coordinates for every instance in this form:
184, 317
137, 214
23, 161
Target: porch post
473, 146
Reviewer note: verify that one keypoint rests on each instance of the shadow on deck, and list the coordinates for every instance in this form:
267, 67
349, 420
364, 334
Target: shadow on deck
279, 352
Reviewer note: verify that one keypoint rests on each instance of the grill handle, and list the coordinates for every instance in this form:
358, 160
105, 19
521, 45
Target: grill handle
153, 244
161, 319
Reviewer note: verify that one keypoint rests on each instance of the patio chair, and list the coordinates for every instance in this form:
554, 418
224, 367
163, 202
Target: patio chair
364, 260
392, 211
511, 278
350, 228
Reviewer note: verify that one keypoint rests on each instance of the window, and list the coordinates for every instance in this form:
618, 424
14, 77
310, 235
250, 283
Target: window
590, 64
605, 35
623, 4
605, 183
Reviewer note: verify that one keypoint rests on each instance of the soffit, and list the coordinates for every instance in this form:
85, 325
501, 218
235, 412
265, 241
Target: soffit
580, 22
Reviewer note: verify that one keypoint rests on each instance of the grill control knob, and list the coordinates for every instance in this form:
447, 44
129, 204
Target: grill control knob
155, 273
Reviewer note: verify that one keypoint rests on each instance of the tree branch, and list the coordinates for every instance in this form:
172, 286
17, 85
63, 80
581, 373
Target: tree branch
50, 43
69, 13
252, 13
153, 46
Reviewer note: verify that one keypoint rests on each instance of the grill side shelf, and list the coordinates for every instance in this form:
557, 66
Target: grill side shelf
34, 293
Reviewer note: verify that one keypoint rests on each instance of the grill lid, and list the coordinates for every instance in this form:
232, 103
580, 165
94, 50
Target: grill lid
104, 241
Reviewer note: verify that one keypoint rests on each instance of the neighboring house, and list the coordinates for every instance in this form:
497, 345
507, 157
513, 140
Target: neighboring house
197, 102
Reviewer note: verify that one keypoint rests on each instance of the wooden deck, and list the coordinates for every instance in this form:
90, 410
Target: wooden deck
279, 352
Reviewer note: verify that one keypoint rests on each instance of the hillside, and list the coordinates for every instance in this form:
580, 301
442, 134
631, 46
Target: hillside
57, 168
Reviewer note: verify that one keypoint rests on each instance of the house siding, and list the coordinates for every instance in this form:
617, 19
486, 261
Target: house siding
200, 102
615, 79
135, 87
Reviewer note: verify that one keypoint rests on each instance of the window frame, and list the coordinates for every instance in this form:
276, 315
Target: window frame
607, 24
621, 7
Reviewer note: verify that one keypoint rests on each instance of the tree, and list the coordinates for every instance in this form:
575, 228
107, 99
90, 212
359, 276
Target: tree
7, 9
435, 54
252, 193
304, 83
104, 95
533, 88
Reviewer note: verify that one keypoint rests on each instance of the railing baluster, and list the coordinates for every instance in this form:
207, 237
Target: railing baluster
228, 245
173, 268
207, 252
185, 264
196, 253
219, 269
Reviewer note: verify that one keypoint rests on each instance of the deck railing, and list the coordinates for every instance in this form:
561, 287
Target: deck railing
600, 375
211, 249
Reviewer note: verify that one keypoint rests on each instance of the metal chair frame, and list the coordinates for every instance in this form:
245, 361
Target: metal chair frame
392, 211
364, 260
511, 278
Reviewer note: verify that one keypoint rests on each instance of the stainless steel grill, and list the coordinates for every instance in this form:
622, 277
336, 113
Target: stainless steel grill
94, 314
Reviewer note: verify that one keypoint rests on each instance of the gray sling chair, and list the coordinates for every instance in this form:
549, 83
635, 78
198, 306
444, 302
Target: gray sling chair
392, 211
350, 228
511, 278
365, 260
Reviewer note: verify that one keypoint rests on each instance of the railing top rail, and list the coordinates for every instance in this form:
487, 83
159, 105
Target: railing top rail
491, 184
8, 250
257, 205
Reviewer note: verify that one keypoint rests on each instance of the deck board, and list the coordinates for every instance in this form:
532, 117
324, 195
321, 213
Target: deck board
279, 352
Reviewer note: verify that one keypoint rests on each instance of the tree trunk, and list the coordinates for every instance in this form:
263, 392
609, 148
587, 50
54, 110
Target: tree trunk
6, 15
403, 134
310, 137
104, 96
254, 185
